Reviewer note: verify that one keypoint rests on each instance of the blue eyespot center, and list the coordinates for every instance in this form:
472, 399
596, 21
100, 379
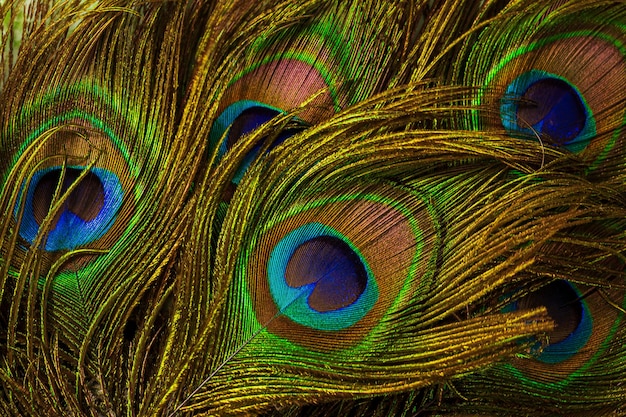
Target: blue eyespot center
242, 118
571, 315
87, 213
553, 108
85, 201
249, 120
318, 279
332, 267
540, 103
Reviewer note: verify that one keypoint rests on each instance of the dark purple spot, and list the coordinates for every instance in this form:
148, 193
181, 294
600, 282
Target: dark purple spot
85, 201
552, 107
563, 305
335, 269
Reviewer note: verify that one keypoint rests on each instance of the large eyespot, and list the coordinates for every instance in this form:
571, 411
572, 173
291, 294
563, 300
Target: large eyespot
73, 175
86, 214
315, 276
541, 104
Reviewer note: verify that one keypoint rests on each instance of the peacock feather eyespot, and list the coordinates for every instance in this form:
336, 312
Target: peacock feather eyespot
572, 320
317, 277
585, 328
544, 105
82, 184
87, 213
240, 119
261, 93
318, 270
72, 173
303, 67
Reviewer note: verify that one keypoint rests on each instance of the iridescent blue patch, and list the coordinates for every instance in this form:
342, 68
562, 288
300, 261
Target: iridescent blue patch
538, 103
87, 214
336, 287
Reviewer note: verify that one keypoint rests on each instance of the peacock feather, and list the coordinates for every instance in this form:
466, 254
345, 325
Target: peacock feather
223, 207
568, 58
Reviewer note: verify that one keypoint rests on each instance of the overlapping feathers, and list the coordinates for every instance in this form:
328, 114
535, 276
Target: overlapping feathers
410, 208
